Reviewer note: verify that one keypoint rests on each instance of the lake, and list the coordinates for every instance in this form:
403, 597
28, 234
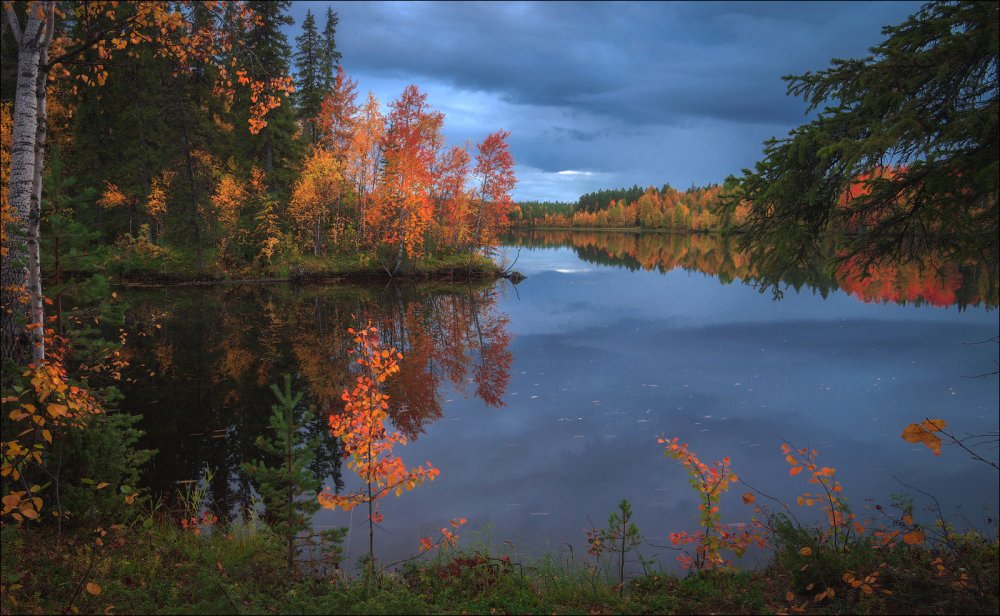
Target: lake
541, 403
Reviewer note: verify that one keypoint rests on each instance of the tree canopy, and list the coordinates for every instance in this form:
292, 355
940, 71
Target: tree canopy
902, 156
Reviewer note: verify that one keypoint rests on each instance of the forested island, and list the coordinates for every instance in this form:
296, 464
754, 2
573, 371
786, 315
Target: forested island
184, 448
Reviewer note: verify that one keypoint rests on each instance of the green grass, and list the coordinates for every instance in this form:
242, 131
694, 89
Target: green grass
185, 265
155, 567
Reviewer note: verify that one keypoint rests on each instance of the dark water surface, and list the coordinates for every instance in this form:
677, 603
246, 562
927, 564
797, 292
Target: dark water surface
541, 404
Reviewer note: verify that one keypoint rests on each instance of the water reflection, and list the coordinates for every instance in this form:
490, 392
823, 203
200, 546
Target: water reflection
202, 362
593, 363
931, 281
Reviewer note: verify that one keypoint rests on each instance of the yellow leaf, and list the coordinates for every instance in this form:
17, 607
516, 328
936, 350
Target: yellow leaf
47, 435
806, 551
93, 588
101, 485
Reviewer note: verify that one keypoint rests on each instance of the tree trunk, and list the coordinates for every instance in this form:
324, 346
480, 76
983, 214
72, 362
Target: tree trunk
36, 305
268, 153
479, 222
22, 172
195, 214
402, 241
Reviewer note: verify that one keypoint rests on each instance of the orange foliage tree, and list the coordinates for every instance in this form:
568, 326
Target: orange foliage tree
840, 520
710, 481
495, 172
248, 224
364, 161
452, 201
403, 210
44, 407
365, 441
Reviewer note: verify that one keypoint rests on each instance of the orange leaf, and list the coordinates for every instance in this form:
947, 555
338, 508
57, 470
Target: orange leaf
914, 537
924, 433
93, 588
748, 498
795, 470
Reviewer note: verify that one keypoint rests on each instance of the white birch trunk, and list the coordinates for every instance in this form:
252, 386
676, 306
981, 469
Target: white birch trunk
36, 305
15, 282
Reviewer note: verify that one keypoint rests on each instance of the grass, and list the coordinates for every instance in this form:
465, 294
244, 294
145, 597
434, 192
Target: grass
153, 566
165, 265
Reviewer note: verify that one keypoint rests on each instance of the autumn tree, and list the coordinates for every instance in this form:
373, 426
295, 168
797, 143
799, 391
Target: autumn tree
365, 158
366, 442
452, 200
245, 212
495, 174
337, 121
314, 197
404, 210
228, 199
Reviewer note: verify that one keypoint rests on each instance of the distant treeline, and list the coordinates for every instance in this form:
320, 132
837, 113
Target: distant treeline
648, 208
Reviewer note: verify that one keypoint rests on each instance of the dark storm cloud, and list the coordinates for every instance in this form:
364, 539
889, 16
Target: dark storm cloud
577, 80
651, 61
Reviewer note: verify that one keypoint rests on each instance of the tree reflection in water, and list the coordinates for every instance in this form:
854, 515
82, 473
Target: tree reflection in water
201, 362
929, 280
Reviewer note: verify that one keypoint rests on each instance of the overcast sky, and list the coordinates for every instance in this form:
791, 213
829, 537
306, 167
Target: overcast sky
602, 95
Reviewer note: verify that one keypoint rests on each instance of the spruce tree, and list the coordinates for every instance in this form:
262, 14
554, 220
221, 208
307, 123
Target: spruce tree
912, 131
330, 57
309, 81
287, 487
274, 148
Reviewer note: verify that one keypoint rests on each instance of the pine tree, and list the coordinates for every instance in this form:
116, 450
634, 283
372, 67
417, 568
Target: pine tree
274, 148
309, 81
330, 57
903, 152
289, 488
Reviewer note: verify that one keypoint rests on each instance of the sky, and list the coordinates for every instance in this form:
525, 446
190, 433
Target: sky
603, 95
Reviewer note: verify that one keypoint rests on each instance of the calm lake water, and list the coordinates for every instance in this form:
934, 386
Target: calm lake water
541, 404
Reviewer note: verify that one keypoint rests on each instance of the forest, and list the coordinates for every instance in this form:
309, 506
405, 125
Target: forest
666, 208
242, 299
180, 146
